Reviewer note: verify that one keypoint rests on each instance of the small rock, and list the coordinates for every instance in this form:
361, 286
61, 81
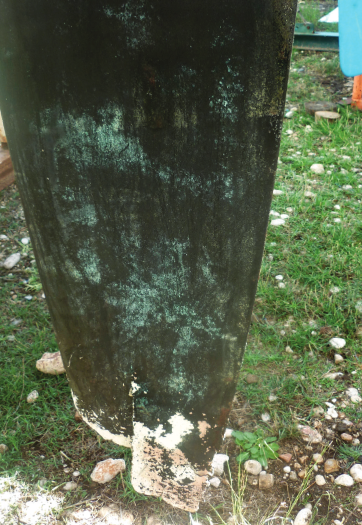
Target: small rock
127, 518
353, 394
332, 412
277, 192
272, 398
42, 482
279, 277
302, 473
344, 480
358, 500
4, 237
266, 417
293, 476
318, 458
289, 114
286, 457
320, 481
303, 517
334, 289
266, 481
356, 472
331, 465
318, 411
107, 470
217, 464
77, 416
71, 485
288, 350
317, 168
346, 437
51, 363
277, 222
309, 194
338, 359
76, 474
347, 187
228, 433
215, 482
337, 343
289, 132
310, 435
287, 469
28, 297
356, 442
337, 219
284, 216
12, 261
251, 378
281, 285
252, 467
3, 448
33, 396
359, 307
25, 240
333, 375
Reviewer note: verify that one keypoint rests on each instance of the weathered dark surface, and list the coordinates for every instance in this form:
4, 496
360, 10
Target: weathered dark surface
145, 137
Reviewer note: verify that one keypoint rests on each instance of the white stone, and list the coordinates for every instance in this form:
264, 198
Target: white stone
356, 472
303, 517
333, 375
28, 297
284, 216
356, 442
253, 467
334, 289
353, 394
266, 481
215, 482
287, 469
337, 343
318, 458
281, 285
51, 363
358, 499
279, 277
337, 207
108, 469
4, 237
320, 480
217, 464
309, 194
76, 474
25, 240
290, 210
272, 397
338, 358
317, 168
228, 433
274, 213
277, 222
12, 261
278, 192
318, 411
71, 485
332, 412
347, 187
3, 448
288, 350
33, 396
337, 219
289, 114
265, 417
344, 480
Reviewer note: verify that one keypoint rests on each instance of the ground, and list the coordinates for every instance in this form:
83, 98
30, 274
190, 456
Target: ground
319, 260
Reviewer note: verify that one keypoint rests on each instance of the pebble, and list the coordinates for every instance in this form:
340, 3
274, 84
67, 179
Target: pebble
33, 396
344, 480
317, 168
331, 465
272, 397
338, 358
217, 464
333, 375
320, 480
337, 343
286, 457
4, 237
51, 363
318, 458
289, 114
302, 473
289, 132
76, 474
347, 187
287, 469
318, 411
266, 417
353, 394
337, 207
71, 485
284, 216
253, 467
25, 240
279, 277
42, 482
266, 481
277, 222
356, 442
309, 194
293, 476
347, 437
228, 433
288, 350
253, 480
303, 517
337, 219
332, 412
107, 470
12, 261
310, 435
358, 499
356, 472
281, 285
3, 448
251, 378
277, 192
334, 289
28, 297
215, 482
290, 210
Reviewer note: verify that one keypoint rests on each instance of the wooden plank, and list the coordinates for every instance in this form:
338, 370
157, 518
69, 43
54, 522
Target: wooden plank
6, 169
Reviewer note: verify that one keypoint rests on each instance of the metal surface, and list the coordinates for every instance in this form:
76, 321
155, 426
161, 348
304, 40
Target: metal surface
305, 37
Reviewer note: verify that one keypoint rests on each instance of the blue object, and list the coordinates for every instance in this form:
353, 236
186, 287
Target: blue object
350, 37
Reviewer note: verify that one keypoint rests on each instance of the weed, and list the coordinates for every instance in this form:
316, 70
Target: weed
256, 446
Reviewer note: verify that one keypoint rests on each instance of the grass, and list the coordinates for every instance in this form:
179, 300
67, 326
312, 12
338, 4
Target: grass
313, 254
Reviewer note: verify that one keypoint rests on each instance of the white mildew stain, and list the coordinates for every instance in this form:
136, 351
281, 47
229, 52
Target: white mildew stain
90, 265
119, 439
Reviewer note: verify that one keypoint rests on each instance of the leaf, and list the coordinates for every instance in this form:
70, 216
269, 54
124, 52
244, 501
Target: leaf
254, 450
238, 435
262, 460
273, 446
242, 457
270, 454
247, 446
250, 436
270, 439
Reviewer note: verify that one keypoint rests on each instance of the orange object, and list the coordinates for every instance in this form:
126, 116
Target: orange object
357, 92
